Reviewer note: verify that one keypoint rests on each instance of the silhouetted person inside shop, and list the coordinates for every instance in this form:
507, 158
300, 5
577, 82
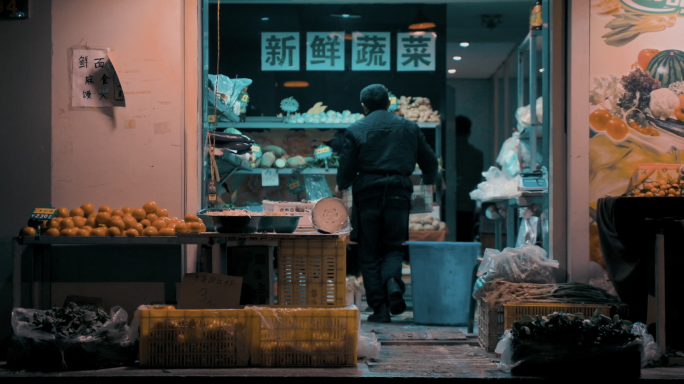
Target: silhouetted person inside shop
379, 154
469, 164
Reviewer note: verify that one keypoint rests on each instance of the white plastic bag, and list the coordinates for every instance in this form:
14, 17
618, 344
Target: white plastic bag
510, 156
505, 349
497, 185
522, 115
528, 228
602, 282
368, 345
650, 350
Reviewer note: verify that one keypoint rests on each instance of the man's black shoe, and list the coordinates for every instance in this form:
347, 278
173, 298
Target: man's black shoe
380, 315
396, 297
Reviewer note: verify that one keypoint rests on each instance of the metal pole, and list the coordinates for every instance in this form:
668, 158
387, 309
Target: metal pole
660, 291
533, 101
16, 278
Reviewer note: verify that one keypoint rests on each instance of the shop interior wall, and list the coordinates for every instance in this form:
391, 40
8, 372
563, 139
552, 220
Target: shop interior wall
474, 100
125, 155
26, 138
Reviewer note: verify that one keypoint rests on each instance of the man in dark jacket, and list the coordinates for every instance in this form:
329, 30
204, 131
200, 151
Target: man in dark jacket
379, 155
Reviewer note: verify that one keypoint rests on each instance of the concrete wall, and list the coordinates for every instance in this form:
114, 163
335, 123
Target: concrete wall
120, 156
53, 153
25, 132
127, 155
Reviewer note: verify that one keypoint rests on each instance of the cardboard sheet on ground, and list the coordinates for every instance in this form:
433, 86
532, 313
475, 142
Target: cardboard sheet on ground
209, 291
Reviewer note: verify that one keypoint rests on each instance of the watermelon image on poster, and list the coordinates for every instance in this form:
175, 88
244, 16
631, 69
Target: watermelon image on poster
667, 66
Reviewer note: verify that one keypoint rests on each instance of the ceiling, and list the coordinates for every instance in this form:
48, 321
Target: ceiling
488, 48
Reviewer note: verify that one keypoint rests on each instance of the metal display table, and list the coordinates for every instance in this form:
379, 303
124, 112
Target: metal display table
41, 253
527, 199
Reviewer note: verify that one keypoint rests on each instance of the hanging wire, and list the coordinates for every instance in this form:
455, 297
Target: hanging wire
211, 140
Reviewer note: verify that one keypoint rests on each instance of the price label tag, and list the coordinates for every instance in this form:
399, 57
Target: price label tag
269, 177
322, 152
295, 187
45, 213
211, 118
209, 291
256, 150
393, 100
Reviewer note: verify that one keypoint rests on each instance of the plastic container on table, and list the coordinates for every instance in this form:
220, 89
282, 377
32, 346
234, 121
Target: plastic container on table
441, 277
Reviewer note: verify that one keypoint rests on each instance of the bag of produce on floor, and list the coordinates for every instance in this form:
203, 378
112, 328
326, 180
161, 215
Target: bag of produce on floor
525, 264
74, 337
560, 343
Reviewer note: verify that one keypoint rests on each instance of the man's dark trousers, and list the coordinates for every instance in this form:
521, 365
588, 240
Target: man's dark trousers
383, 228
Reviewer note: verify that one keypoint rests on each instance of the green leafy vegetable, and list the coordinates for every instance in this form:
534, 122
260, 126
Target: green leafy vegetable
70, 320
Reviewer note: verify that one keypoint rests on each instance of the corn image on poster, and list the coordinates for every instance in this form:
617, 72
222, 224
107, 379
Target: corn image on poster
636, 98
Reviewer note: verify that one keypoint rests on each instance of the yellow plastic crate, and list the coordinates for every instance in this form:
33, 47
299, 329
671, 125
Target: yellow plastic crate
306, 337
515, 311
312, 272
194, 338
492, 320
490, 325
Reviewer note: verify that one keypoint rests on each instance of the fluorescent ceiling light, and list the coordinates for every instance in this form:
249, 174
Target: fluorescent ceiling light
464, 44
456, 58
452, 71
264, 18
346, 13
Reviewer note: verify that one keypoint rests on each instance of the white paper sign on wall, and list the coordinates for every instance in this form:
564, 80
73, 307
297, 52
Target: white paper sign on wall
416, 52
94, 82
280, 51
325, 51
371, 51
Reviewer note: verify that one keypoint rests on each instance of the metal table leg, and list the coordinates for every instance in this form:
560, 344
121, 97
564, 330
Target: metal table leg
498, 243
660, 291
16, 274
216, 257
510, 225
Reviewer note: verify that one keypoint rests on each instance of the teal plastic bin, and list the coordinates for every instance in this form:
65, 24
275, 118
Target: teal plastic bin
441, 279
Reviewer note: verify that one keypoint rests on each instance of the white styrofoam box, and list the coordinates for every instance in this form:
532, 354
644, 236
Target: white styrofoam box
291, 208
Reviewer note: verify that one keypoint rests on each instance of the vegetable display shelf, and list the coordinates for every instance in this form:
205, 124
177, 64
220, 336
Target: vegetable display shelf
277, 125
306, 171
40, 255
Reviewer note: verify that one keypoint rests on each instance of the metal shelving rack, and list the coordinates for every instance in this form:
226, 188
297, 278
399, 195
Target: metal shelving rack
266, 123
539, 131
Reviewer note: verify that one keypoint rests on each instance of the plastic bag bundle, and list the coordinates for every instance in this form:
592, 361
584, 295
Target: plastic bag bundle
650, 351
512, 155
522, 115
525, 264
528, 227
226, 91
316, 187
497, 185
37, 350
368, 345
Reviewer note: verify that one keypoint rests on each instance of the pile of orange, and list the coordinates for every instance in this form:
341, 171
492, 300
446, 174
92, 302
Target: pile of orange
150, 220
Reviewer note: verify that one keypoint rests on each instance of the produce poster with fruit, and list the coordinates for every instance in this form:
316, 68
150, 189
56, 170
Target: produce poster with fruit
636, 98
